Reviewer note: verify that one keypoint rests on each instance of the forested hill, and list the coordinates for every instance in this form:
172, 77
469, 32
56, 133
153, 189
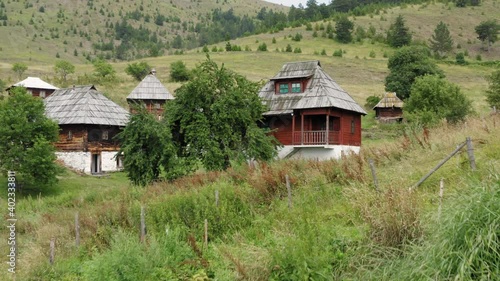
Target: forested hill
123, 29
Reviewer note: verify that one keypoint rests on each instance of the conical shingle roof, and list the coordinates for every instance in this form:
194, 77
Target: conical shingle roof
390, 99
150, 88
84, 105
320, 92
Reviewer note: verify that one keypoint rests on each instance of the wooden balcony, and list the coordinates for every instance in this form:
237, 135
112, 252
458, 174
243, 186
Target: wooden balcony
316, 138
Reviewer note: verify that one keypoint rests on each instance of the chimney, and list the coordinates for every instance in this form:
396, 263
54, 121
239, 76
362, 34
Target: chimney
153, 71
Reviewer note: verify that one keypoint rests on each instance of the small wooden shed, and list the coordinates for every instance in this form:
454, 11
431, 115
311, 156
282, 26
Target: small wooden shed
151, 93
389, 109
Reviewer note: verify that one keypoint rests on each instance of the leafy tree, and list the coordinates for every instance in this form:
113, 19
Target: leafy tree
493, 92
147, 148
441, 41
344, 28
179, 71
372, 101
398, 34
104, 70
26, 138
63, 68
487, 32
407, 64
433, 99
214, 118
19, 68
138, 70
460, 59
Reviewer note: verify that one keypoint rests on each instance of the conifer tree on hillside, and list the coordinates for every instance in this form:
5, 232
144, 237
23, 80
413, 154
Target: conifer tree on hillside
441, 41
344, 28
398, 34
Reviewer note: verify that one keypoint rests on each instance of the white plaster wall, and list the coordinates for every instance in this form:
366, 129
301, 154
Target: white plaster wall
108, 161
318, 152
79, 161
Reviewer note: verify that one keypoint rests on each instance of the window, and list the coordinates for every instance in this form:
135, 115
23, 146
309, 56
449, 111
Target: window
296, 88
105, 134
283, 88
70, 135
42, 94
157, 106
353, 126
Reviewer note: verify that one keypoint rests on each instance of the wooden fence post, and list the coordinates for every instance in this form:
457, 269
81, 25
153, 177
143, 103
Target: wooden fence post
143, 225
216, 198
77, 230
205, 238
374, 175
52, 250
441, 191
289, 189
470, 152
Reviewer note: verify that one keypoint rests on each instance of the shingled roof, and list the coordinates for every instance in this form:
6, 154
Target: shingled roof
150, 88
390, 99
320, 92
35, 83
84, 105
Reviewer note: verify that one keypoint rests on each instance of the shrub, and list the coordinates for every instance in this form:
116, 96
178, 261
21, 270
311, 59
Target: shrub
337, 53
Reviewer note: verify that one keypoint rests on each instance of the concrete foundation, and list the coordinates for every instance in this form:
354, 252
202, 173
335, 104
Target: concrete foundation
316, 152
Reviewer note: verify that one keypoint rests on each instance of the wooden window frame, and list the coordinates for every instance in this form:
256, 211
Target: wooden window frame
105, 135
282, 88
300, 87
353, 126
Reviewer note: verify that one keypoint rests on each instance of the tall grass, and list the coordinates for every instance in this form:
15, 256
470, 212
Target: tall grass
463, 244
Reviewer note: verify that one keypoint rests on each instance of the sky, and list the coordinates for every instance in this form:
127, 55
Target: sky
296, 2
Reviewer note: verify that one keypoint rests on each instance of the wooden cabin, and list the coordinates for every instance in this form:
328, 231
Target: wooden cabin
36, 87
88, 123
389, 109
310, 114
150, 93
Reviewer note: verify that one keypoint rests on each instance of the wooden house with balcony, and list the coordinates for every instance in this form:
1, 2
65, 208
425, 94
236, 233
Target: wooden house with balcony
36, 87
150, 93
88, 123
389, 109
310, 114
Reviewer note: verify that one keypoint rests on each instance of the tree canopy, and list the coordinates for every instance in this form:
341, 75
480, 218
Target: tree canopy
407, 64
26, 138
487, 32
64, 68
214, 118
138, 70
493, 93
398, 34
179, 71
344, 28
433, 99
19, 68
147, 147
441, 41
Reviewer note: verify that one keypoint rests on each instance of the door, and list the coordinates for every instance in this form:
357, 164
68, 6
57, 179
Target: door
95, 165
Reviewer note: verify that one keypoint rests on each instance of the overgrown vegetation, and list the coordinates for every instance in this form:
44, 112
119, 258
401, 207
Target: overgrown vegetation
338, 225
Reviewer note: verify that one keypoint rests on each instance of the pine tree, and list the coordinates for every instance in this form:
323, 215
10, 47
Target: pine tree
343, 28
398, 34
441, 41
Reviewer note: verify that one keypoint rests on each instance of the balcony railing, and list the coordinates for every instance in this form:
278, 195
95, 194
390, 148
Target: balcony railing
316, 138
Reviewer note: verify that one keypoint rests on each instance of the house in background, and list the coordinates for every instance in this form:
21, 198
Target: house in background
151, 93
88, 123
389, 109
36, 87
310, 114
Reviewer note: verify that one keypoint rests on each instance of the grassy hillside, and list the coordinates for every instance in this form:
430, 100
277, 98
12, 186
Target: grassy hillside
338, 226
361, 69
35, 32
